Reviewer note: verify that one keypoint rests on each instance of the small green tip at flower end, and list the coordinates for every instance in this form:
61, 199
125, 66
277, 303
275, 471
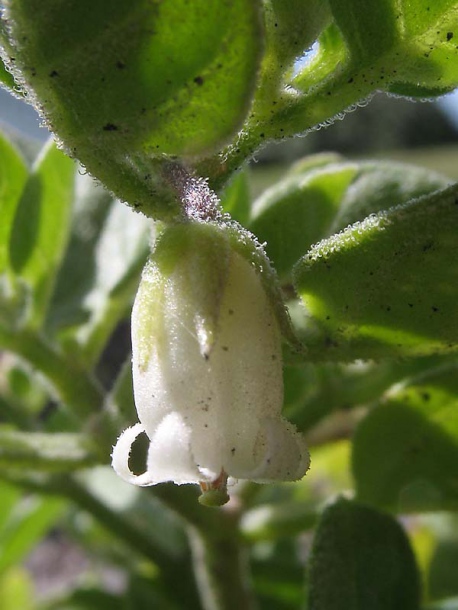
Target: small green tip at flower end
214, 493
214, 497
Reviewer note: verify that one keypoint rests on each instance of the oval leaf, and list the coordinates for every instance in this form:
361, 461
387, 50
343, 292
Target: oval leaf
40, 229
125, 84
386, 286
13, 175
96, 284
315, 202
361, 559
406, 450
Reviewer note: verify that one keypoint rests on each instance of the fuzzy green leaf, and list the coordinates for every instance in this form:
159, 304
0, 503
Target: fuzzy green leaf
385, 286
236, 198
96, 284
58, 452
316, 201
296, 212
292, 27
30, 519
40, 229
313, 391
379, 185
369, 27
16, 590
123, 86
6, 78
406, 449
406, 47
361, 559
13, 175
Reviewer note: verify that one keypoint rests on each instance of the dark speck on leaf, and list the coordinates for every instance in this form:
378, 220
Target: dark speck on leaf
449, 36
233, 450
230, 312
110, 127
350, 80
199, 80
120, 65
435, 309
426, 396
225, 348
54, 73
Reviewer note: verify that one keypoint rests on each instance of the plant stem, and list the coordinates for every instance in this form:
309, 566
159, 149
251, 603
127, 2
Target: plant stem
221, 571
38, 450
220, 564
293, 114
73, 385
121, 528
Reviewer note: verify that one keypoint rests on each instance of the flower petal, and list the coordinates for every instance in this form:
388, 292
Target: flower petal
170, 456
120, 457
285, 455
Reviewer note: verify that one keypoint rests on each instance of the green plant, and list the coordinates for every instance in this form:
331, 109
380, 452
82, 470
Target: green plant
164, 102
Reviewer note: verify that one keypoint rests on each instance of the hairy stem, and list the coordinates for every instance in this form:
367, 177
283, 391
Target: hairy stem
293, 115
219, 560
221, 571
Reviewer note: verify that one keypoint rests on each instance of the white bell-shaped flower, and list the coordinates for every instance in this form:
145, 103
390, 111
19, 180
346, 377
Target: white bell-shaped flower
207, 369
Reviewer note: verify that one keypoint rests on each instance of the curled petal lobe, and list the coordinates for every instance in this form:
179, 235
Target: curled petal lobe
121, 454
